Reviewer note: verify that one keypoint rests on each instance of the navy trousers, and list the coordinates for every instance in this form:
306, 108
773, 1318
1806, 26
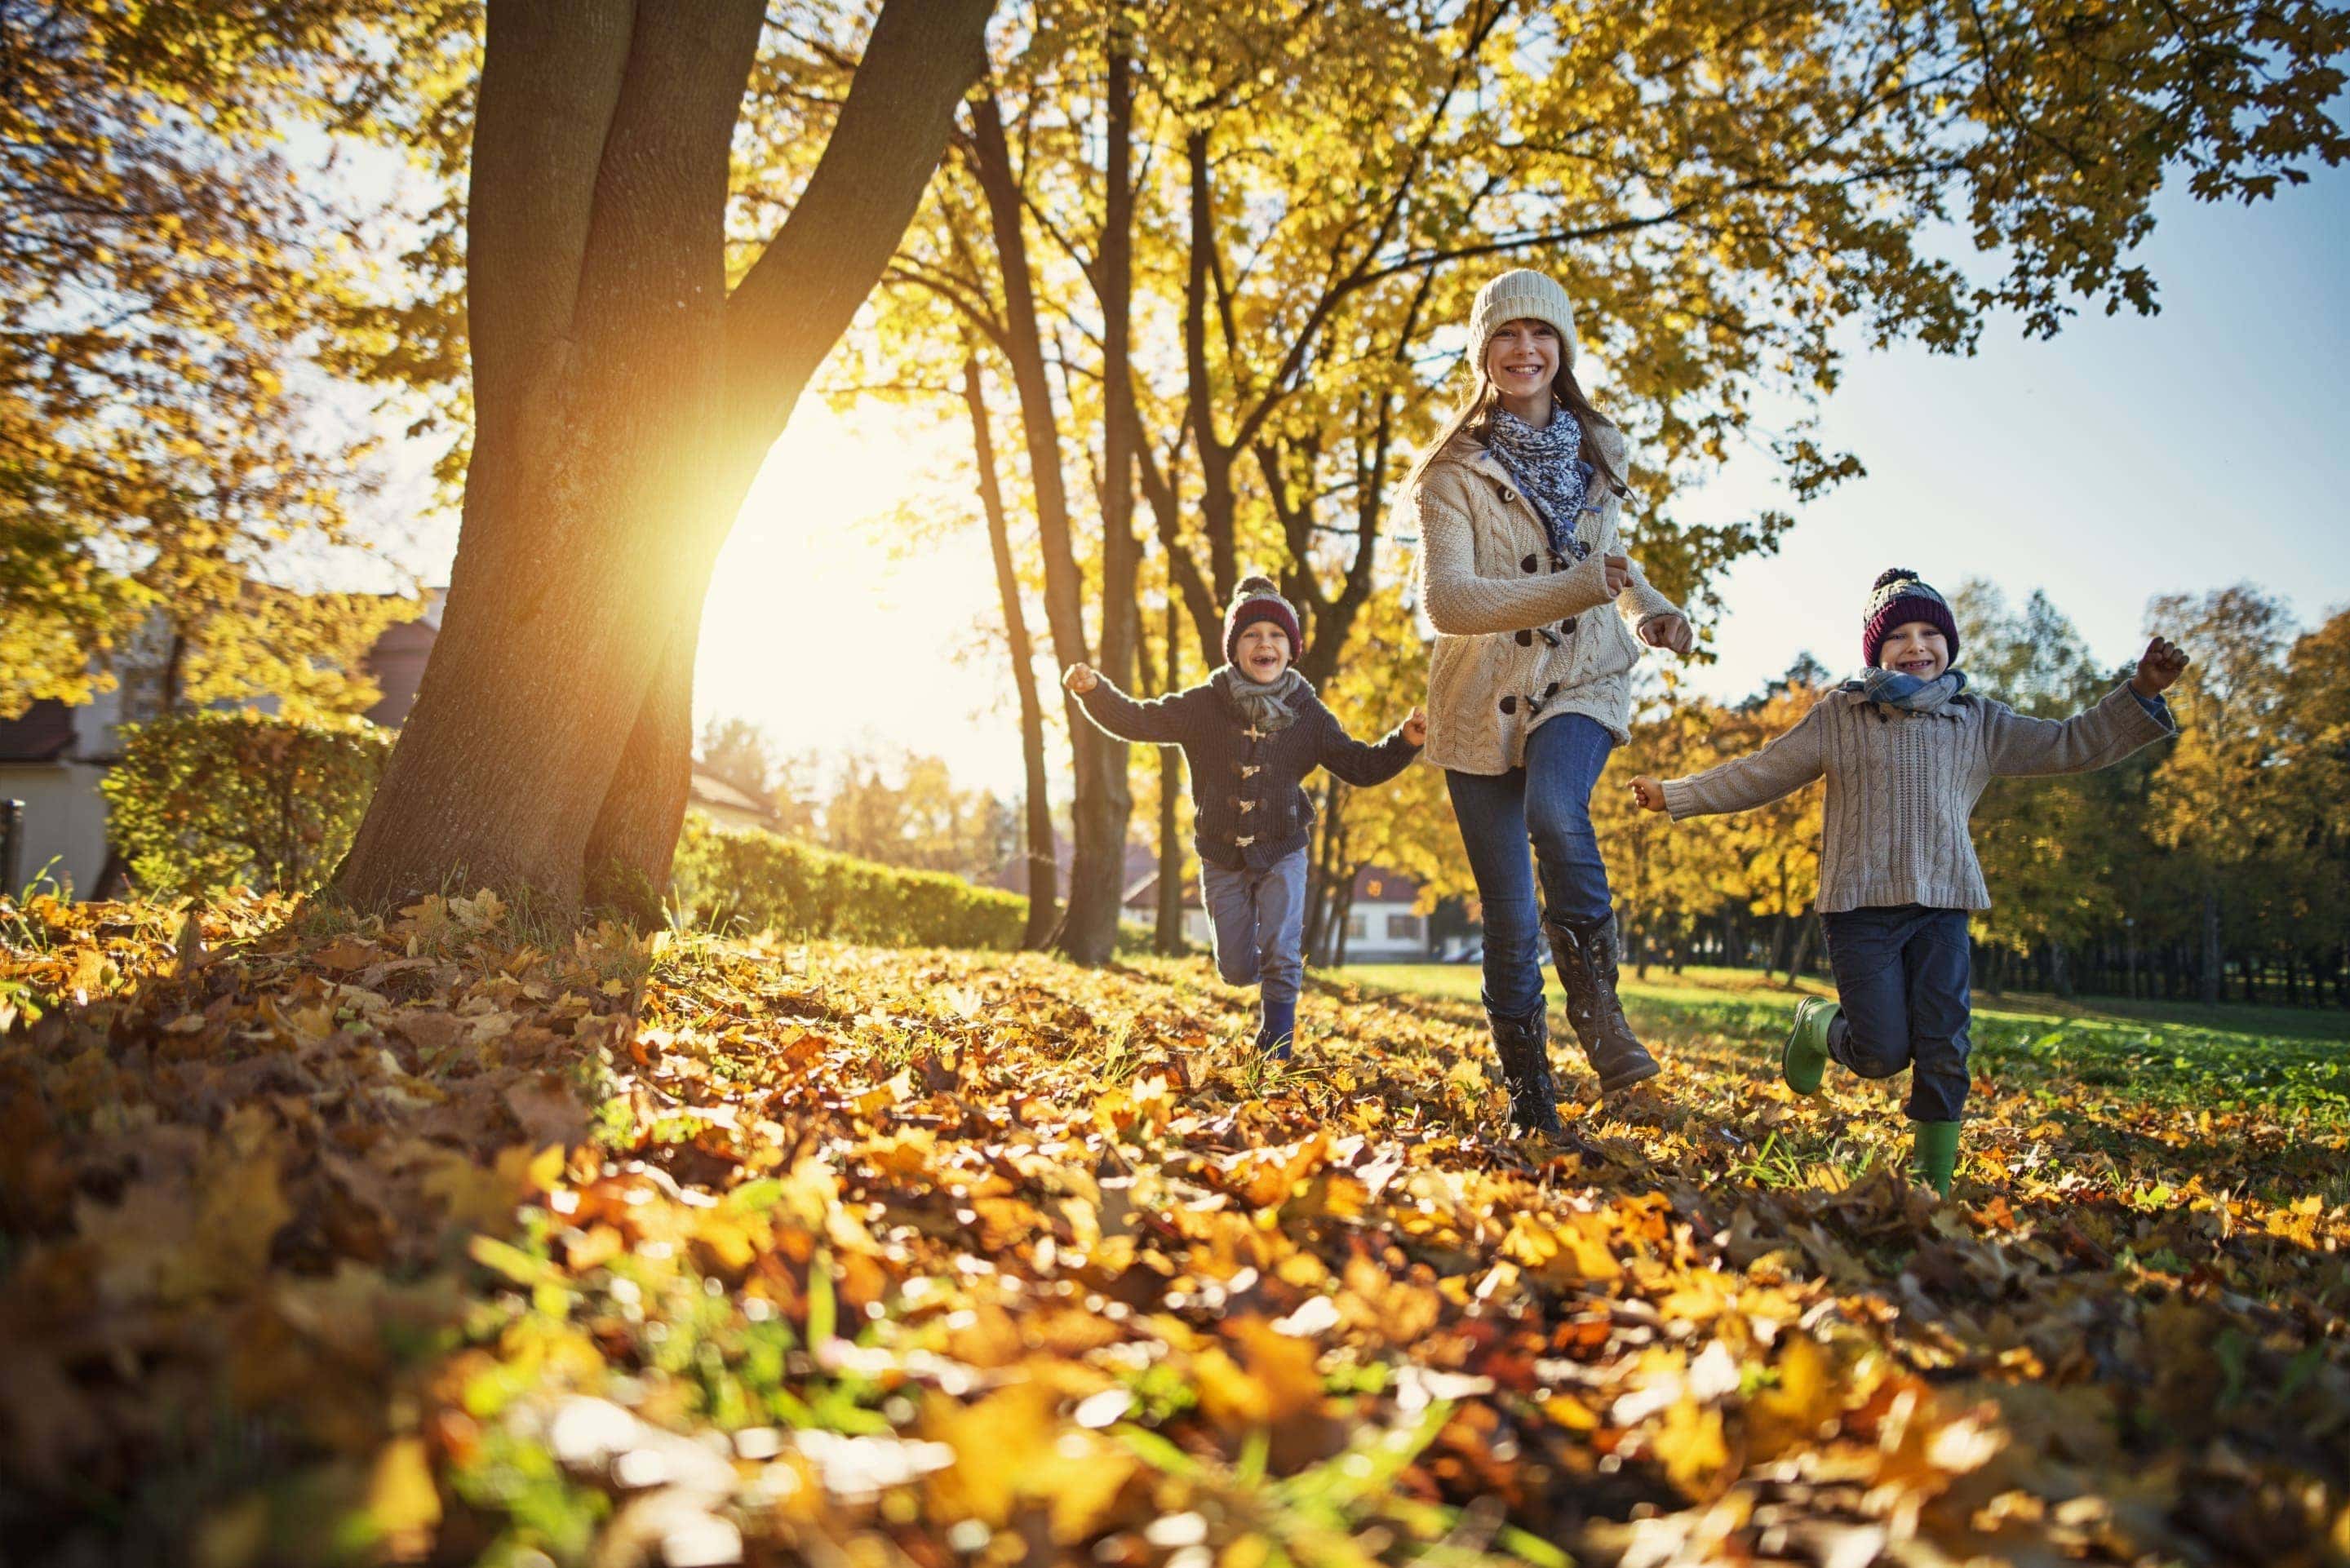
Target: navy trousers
1901, 976
1534, 824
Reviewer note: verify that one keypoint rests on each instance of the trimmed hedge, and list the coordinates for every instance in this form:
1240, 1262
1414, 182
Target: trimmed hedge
210, 800
778, 884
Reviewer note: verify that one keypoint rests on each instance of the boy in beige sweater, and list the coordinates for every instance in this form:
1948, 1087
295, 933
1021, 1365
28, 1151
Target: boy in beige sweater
1907, 751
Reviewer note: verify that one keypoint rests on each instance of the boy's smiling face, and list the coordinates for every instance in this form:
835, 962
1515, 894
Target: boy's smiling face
1262, 652
1915, 648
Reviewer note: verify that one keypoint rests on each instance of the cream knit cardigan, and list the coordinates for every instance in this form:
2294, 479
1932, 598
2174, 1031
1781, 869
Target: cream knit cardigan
1492, 591
1901, 786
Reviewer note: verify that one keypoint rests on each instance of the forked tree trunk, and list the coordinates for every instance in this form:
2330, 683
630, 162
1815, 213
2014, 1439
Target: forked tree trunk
624, 401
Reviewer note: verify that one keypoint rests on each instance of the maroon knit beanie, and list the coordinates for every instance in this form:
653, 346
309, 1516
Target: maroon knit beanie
1254, 600
1899, 597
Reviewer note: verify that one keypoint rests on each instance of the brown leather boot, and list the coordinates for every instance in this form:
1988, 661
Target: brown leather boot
1586, 957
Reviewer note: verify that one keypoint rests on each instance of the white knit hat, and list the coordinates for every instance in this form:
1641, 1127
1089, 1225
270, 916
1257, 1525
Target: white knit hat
1520, 296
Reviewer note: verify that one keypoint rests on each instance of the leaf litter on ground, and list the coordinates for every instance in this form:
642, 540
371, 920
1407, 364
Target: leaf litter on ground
445, 1239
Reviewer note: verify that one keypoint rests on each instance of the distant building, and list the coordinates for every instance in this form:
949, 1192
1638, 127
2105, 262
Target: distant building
731, 808
1381, 925
53, 757
396, 662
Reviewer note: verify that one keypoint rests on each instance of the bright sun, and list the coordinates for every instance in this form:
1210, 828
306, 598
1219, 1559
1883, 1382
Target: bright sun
833, 628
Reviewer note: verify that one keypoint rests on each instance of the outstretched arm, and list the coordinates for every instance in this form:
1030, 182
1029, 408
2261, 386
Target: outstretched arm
1161, 721
1660, 622
1364, 764
1783, 767
2133, 714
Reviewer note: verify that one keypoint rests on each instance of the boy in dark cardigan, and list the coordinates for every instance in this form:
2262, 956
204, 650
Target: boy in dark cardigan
1250, 733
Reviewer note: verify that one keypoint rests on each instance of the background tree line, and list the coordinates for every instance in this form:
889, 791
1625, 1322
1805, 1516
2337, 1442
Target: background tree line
898, 808
2213, 867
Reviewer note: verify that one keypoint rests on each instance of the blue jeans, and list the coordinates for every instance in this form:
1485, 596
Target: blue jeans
1901, 976
1257, 922
1545, 804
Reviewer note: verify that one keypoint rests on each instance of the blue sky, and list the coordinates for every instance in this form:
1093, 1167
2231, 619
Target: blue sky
2129, 456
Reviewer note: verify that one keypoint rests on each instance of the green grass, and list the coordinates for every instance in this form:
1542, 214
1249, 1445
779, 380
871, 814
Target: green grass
2161, 1054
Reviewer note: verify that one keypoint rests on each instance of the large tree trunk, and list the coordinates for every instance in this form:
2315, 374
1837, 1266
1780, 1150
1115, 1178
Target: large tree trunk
624, 401
1044, 876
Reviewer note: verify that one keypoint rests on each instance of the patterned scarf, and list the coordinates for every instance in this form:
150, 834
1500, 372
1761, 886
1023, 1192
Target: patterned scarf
1548, 465
1907, 693
1270, 706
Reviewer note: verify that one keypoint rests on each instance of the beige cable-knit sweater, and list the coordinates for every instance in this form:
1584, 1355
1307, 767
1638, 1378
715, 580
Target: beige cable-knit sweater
1505, 660
1902, 785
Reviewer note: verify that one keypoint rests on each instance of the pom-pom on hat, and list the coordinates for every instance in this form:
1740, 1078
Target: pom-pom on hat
1899, 597
1520, 296
1257, 599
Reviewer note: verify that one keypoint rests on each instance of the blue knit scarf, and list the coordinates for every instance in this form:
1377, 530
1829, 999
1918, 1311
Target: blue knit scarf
1907, 693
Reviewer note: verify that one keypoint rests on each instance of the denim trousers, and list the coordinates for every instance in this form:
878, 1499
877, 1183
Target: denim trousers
1257, 922
1901, 978
1544, 807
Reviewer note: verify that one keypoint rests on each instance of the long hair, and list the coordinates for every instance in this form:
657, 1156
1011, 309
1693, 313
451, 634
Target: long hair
1468, 421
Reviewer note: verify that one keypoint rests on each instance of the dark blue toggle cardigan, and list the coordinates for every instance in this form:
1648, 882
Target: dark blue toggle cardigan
1247, 785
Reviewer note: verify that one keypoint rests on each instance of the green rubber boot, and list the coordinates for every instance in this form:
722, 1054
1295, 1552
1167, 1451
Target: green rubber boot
1937, 1146
1805, 1058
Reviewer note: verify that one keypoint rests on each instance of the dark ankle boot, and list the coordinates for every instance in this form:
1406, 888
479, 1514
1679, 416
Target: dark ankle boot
1586, 956
1523, 1046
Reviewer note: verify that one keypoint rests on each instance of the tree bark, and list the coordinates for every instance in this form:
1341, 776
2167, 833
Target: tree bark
1043, 875
623, 403
1121, 610
2208, 986
1090, 928
1171, 777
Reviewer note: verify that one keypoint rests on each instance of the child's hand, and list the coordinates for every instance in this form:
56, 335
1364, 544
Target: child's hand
2162, 663
1619, 569
1669, 631
1649, 793
1415, 729
1079, 679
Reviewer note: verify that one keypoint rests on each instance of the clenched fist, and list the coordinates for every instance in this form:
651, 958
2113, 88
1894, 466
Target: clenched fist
2162, 663
1079, 679
1649, 793
1669, 631
1619, 569
1415, 729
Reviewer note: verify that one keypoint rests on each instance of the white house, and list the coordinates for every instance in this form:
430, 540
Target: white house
1381, 927
51, 759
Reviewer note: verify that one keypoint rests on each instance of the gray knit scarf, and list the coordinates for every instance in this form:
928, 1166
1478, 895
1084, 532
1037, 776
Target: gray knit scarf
1907, 693
1270, 706
1548, 465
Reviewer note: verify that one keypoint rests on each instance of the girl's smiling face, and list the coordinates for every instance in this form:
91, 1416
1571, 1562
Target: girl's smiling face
1915, 648
1521, 359
1262, 652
